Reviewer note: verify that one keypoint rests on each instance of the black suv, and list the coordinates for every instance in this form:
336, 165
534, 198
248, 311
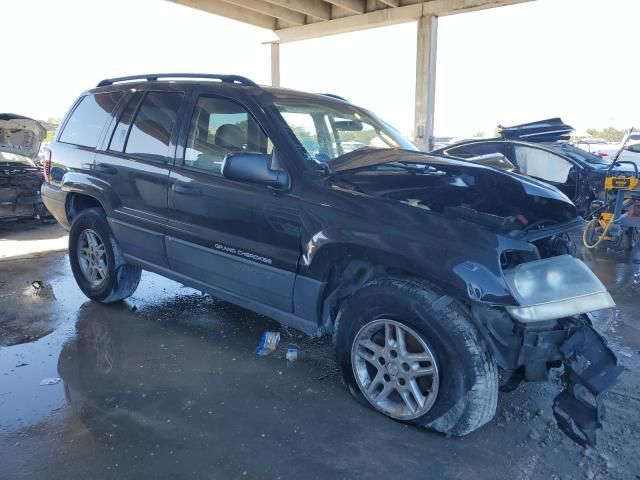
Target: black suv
430, 273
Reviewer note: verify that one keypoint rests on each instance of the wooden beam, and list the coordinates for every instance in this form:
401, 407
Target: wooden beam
378, 18
385, 16
315, 8
353, 6
425, 99
390, 3
218, 7
452, 7
271, 10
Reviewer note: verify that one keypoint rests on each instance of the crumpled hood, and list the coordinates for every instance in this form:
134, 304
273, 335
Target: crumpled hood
20, 135
455, 188
366, 157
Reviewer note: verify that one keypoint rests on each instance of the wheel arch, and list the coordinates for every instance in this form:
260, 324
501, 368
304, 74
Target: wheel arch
76, 202
346, 267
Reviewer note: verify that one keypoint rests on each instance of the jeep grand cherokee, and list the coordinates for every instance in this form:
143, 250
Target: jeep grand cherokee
430, 273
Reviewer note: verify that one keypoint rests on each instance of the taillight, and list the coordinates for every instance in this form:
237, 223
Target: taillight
602, 155
46, 165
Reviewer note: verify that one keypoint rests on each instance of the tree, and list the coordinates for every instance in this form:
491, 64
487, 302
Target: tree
610, 134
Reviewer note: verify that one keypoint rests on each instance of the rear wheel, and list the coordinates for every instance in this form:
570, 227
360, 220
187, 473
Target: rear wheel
416, 357
97, 261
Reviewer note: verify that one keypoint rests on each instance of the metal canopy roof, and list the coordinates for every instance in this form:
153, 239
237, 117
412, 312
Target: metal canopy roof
294, 20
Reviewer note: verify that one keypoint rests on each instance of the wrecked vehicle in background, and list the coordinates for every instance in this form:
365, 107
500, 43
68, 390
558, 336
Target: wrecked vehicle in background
541, 150
430, 273
20, 177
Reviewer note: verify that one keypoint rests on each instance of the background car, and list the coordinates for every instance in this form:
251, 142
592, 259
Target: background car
630, 152
20, 177
540, 150
591, 144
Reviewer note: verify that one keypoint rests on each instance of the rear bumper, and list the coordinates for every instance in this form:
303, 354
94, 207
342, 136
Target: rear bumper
55, 201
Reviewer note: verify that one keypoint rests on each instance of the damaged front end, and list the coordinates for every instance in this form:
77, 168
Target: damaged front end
528, 294
563, 287
529, 352
20, 177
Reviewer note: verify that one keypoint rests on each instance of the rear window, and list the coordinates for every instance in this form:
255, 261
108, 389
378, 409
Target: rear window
89, 118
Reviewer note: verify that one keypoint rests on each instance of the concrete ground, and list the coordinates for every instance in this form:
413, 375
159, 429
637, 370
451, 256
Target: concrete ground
166, 386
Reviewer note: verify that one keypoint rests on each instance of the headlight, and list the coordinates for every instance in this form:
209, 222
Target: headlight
553, 288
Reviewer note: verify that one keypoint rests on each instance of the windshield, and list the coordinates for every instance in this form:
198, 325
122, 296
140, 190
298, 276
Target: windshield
582, 156
327, 131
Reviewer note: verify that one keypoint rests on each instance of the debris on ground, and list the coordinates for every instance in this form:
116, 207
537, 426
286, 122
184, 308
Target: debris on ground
50, 381
626, 352
292, 354
268, 344
43, 289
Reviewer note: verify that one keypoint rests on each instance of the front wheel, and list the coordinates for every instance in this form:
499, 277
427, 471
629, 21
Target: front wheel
416, 357
97, 261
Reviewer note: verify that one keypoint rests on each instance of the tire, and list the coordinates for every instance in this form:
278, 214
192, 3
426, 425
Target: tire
117, 279
466, 376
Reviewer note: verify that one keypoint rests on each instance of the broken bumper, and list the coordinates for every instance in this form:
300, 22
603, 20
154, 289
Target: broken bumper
590, 369
530, 351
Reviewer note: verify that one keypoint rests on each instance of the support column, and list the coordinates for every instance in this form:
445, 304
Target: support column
275, 64
425, 81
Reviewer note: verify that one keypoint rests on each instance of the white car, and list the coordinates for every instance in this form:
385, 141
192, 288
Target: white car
631, 151
592, 144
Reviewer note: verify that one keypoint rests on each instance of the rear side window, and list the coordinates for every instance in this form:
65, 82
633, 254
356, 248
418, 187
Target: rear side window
89, 118
150, 134
119, 137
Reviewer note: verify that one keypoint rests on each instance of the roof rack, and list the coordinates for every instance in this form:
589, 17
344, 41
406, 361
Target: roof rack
152, 77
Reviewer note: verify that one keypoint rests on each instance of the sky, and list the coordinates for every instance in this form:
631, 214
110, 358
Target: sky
571, 58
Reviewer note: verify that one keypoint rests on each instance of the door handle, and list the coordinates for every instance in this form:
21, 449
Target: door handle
104, 168
185, 189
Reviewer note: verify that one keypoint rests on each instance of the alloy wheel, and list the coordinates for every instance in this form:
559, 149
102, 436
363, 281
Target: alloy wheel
395, 369
92, 257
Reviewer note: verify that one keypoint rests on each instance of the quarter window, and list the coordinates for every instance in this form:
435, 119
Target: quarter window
89, 118
220, 127
119, 137
150, 134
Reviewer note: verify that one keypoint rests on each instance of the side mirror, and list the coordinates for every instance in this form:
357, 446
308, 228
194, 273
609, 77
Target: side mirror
254, 168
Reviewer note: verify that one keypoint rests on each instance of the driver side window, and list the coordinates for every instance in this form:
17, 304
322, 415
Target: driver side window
220, 127
539, 163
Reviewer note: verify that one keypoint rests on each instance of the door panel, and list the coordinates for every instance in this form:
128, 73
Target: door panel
136, 168
233, 236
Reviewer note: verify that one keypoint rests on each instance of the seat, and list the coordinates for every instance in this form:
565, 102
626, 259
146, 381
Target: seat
207, 156
230, 137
